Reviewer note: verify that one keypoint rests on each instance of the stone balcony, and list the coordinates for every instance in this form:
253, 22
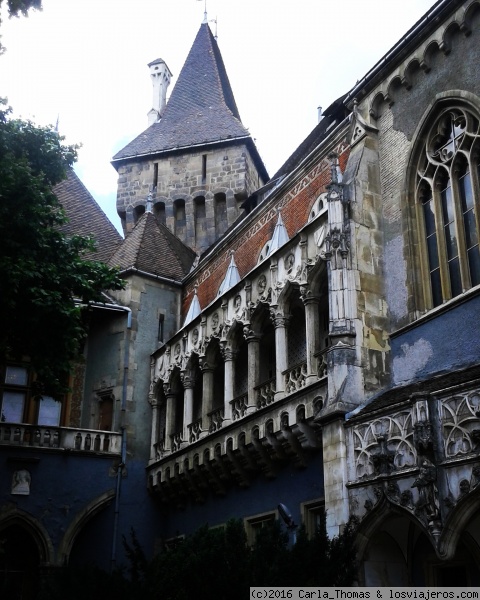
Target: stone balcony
236, 450
83, 441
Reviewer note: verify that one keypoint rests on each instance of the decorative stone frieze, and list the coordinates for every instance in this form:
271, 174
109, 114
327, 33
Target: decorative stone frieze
384, 445
460, 416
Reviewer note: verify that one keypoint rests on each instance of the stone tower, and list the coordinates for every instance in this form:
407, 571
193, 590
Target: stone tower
196, 159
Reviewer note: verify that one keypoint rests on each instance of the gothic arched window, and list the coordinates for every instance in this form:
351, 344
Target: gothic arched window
448, 201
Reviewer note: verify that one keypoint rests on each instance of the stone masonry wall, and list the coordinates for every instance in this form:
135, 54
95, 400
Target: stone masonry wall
295, 206
229, 172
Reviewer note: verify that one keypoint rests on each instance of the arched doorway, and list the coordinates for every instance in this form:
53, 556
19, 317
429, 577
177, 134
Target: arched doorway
19, 563
399, 552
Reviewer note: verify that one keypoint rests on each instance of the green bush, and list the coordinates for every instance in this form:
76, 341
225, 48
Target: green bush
216, 563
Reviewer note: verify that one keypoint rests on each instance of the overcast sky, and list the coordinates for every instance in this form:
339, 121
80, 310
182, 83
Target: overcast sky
85, 61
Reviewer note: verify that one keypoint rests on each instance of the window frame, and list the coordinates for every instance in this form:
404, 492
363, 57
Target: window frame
435, 172
33, 397
308, 510
19, 388
250, 523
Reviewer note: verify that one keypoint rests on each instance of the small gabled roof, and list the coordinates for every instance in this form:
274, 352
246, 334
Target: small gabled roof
194, 310
201, 109
279, 237
232, 277
85, 217
152, 248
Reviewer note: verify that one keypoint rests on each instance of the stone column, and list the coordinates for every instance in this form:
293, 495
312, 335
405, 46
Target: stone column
312, 331
170, 417
169, 215
207, 394
344, 354
155, 404
280, 322
190, 222
229, 358
188, 386
253, 341
335, 475
210, 217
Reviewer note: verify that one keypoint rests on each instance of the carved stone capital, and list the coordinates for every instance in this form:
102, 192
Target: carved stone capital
228, 353
250, 335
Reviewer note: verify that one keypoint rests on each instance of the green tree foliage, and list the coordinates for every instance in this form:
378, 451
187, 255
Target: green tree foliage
44, 275
218, 563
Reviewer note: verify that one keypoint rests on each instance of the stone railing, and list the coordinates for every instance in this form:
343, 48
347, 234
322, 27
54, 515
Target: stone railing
65, 438
295, 378
216, 420
194, 431
265, 393
321, 363
176, 440
239, 407
260, 442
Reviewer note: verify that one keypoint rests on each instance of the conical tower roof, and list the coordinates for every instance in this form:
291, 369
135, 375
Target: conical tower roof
201, 109
152, 248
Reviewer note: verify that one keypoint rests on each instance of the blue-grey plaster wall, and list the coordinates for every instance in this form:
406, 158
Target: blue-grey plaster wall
156, 298
291, 487
138, 512
447, 342
63, 484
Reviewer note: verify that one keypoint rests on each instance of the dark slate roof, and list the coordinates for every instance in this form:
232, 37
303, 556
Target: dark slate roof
152, 248
393, 397
201, 109
86, 217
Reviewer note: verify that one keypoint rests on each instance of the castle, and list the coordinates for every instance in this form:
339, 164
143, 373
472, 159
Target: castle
308, 339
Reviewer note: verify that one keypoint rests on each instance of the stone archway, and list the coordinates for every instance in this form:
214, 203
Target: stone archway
79, 523
25, 548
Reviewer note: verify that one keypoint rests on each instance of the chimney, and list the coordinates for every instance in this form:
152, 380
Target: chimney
160, 75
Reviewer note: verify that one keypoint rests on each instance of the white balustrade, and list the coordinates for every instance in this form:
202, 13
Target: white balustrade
65, 438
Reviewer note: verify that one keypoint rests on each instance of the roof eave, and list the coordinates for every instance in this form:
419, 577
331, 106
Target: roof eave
410, 39
179, 149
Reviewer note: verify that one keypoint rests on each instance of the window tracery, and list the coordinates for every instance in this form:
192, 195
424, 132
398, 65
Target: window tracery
448, 199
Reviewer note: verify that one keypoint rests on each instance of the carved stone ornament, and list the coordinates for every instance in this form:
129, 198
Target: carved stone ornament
428, 505
215, 321
393, 491
289, 262
195, 336
237, 304
406, 499
423, 437
261, 285
21, 483
336, 242
460, 419
177, 353
383, 459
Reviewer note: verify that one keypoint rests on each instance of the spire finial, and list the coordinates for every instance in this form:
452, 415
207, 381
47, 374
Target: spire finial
148, 208
205, 17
